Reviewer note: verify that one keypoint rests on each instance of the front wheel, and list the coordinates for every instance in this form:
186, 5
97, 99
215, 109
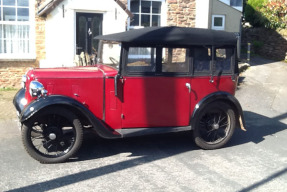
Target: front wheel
214, 125
53, 135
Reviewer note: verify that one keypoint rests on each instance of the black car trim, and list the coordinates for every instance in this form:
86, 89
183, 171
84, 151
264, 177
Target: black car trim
39, 104
17, 100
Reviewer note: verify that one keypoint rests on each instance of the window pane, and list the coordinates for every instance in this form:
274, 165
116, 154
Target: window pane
145, 20
23, 3
156, 7
236, 3
135, 6
141, 59
201, 59
156, 20
9, 14
16, 39
23, 14
175, 61
9, 2
223, 60
146, 6
135, 21
0, 14
218, 21
9, 31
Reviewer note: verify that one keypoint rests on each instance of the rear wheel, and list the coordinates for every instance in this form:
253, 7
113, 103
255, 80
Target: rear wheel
53, 135
214, 125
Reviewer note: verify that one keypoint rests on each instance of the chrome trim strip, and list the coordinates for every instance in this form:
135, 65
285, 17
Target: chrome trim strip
132, 132
104, 95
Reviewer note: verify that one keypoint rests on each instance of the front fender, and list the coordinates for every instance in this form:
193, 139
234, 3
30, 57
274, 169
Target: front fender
223, 96
49, 101
17, 100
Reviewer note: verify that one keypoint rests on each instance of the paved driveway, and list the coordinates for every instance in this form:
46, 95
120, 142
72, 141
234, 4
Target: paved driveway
255, 160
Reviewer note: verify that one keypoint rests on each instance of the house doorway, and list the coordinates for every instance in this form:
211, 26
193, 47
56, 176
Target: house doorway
88, 25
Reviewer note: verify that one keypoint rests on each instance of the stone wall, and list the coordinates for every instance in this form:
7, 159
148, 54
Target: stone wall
266, 42
11, 71
181, 13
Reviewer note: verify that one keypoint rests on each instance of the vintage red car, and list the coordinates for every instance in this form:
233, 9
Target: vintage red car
167, 79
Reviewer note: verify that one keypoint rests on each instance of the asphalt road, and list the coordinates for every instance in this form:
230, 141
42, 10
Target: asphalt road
255, 160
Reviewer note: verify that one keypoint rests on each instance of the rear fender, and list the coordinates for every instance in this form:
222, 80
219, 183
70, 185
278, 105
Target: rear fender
221, 96
55, 100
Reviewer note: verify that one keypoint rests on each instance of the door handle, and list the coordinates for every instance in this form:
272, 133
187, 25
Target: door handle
188, 86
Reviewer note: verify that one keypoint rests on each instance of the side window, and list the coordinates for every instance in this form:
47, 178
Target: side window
201, 59
223, 60
141, 60
175, 60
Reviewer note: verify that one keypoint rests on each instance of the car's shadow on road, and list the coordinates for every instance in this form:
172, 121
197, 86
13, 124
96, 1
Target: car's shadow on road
157, 146
154, 146
258, 127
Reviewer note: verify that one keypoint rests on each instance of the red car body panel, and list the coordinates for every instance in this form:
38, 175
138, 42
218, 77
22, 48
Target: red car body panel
155, 102
84, 84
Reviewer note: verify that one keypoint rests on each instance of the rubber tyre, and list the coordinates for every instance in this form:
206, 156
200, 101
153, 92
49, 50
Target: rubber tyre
211, 109
70, 117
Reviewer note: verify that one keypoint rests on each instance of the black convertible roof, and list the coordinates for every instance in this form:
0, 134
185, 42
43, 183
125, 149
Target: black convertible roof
172, 36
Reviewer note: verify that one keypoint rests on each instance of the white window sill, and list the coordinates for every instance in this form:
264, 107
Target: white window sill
17, 57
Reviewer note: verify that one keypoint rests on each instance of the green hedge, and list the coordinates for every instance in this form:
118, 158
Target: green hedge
252, 13
265, 13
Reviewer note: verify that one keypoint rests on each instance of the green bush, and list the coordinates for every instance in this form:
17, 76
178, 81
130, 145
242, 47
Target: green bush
275, 14
252, 12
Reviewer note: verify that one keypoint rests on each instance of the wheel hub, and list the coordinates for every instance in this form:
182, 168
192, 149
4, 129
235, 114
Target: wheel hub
215, 126
52, 136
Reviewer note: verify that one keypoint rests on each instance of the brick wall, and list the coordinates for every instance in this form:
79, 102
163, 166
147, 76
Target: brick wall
11, 71
181, 13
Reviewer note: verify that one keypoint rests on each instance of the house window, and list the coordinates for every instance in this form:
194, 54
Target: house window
236, 3
16, 18
218, 22
147, 13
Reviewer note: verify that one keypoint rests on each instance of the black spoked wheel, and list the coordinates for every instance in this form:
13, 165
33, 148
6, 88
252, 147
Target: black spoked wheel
214, 126
53, 135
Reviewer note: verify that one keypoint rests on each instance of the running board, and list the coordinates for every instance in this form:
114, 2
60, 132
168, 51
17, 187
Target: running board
132, 132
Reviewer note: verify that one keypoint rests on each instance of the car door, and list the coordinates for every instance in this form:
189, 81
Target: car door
155, 93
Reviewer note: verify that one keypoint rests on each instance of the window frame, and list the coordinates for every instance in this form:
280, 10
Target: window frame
158, 64
31, 23
232, 60
212, 64
222, 27
150, 14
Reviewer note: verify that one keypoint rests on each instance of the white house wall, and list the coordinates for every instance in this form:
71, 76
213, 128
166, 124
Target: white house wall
61, 31
202, 14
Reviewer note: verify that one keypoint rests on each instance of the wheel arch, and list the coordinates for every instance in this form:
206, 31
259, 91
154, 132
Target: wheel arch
73, 105
225, 97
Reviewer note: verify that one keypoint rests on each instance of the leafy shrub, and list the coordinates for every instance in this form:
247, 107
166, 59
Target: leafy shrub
275, 14
252, 12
